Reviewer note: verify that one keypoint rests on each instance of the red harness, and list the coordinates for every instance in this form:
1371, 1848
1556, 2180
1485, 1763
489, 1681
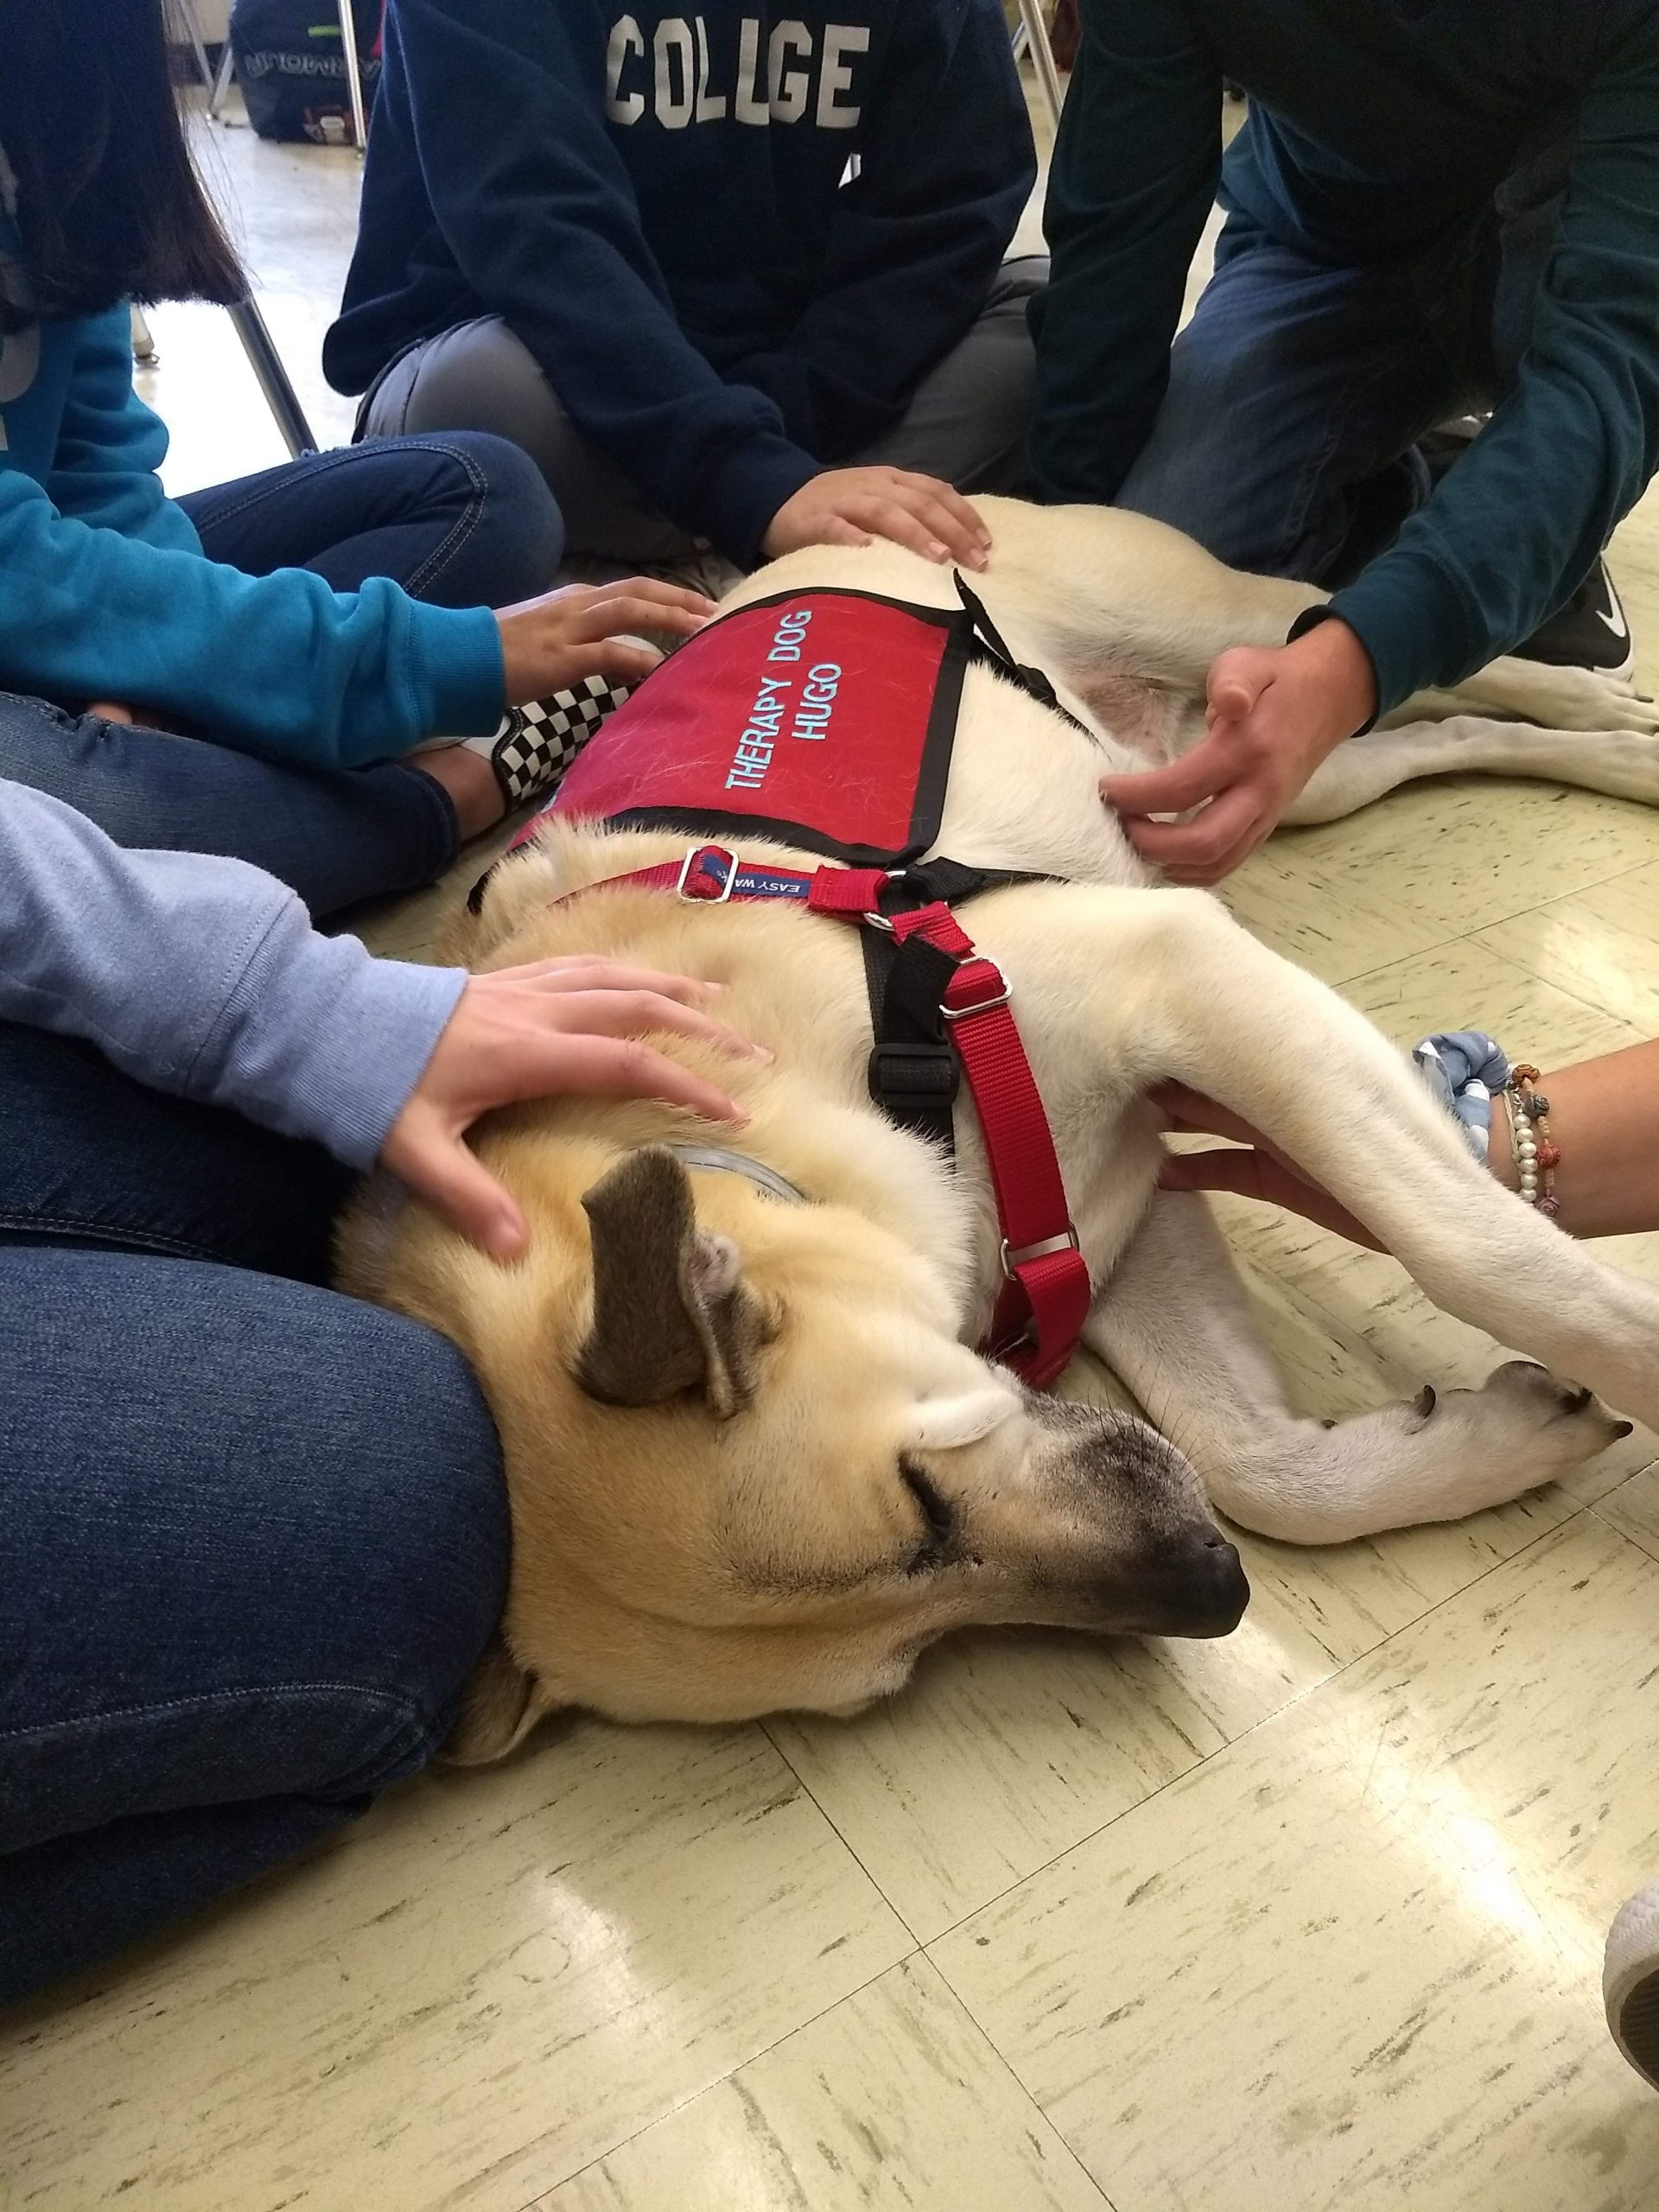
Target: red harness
826, 719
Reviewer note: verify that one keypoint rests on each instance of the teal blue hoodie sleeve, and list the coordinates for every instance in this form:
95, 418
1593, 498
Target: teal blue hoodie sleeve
104, 594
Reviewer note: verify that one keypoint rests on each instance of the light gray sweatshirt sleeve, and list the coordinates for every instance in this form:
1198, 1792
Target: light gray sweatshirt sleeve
203, 976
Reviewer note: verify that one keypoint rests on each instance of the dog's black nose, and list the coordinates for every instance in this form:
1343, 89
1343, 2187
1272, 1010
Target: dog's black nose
1203, 1583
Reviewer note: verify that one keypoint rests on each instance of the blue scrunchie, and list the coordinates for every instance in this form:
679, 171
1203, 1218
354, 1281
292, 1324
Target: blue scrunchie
1464, 1068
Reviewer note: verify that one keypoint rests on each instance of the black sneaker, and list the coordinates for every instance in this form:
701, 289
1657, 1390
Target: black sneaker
1589, 632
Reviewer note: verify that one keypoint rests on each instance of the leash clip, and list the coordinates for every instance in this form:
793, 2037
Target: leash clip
694, 855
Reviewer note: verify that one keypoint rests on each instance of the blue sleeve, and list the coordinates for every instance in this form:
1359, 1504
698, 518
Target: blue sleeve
506, 110
279, 665
1135, 166
946, 164
204, 978
1522, 516
111, 446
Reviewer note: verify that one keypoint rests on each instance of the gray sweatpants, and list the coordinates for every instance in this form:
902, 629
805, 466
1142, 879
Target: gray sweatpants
966, 421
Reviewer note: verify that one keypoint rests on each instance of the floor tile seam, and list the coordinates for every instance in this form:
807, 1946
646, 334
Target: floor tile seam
1649, 1550
720, 2081
1267, 1719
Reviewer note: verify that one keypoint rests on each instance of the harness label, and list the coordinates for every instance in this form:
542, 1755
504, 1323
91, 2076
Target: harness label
825, 720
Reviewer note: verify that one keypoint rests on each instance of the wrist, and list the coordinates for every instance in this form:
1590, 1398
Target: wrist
1329, 656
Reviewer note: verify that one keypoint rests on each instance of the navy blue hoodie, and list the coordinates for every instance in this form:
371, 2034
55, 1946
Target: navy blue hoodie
654, 203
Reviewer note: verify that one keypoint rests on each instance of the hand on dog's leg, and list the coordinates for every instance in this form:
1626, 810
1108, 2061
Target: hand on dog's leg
1268, 1041
1175, 1322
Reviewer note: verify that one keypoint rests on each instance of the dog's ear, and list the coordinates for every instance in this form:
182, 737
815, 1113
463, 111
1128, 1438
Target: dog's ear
671, 1313
499, 1706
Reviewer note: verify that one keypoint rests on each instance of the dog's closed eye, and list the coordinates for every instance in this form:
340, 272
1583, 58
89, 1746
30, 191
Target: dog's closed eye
939, 1516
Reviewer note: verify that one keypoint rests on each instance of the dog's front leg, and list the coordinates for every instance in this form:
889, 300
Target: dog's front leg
1226, 1016
1174, 1322
1622, 763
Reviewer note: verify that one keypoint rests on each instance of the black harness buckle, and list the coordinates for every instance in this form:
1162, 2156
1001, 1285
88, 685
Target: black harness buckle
914, 1082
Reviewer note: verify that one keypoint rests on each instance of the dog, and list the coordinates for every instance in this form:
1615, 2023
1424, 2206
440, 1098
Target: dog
754, 1461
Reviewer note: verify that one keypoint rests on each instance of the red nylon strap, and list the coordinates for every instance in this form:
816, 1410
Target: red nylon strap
1047, 1293
1046, 1296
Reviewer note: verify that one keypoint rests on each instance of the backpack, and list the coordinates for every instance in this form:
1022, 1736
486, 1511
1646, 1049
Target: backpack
291, 67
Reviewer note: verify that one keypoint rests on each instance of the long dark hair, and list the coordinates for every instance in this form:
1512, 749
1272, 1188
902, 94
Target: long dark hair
109, 203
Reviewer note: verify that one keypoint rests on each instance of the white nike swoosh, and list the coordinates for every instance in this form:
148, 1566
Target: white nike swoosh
1616, 623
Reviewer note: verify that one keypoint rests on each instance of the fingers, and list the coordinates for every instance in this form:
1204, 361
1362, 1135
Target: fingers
450, 1178
839, 530
623, 1067
893, 519
630, 1013
1183, 1108
588, 972
1236, 681
928, 517
952, 520
111, 710
625, 609
1213, 844
618, 660
1222, 1168
1210, 767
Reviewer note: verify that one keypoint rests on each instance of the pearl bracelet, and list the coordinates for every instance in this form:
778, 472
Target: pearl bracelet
1536, 1155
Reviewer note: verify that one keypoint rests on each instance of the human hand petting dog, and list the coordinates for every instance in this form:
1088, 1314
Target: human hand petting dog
572, 1025
549, 643
1273, 714
855, 506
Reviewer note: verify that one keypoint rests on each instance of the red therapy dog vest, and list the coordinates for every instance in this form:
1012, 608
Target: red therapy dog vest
824, 719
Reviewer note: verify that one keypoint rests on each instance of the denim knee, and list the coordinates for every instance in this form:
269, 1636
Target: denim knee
515, 537
258, 1535
436, 1576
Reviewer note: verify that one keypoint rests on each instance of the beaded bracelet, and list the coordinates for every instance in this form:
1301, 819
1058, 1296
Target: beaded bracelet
1536, 1155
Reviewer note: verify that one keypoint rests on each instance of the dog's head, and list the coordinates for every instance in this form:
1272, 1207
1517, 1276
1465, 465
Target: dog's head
744, 1480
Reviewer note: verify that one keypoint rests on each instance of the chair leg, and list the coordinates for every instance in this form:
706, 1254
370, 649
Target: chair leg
267, 366
221, 83
1042, 56
144, 345
186, 10
353, 74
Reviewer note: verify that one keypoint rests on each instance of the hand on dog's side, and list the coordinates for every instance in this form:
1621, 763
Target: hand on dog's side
572, 1025
1273, 715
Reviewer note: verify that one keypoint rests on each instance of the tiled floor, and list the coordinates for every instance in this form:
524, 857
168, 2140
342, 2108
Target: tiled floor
1308, 1919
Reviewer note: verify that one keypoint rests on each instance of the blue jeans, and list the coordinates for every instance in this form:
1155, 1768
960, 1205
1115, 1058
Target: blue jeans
1285, 441
460, 520
255, 1534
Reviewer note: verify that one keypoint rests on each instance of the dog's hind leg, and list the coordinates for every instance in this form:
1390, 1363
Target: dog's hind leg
1622, 763
1183, 992
1175, 1322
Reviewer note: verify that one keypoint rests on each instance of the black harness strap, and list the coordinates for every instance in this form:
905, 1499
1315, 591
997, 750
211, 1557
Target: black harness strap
914, 1073
990, 646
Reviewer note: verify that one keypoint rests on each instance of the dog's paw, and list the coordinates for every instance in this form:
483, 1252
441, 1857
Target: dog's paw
1566, 1423
1439, 1456
1580, 699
